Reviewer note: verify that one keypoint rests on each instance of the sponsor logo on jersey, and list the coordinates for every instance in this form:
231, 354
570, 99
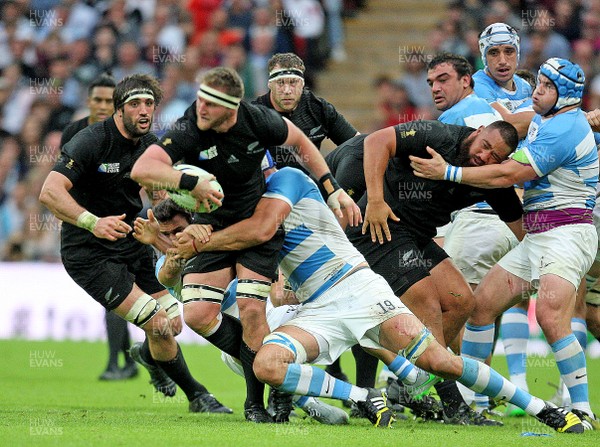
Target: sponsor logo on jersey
209, 153
232, 159
167, 141
109, 168
409, 133
532, 132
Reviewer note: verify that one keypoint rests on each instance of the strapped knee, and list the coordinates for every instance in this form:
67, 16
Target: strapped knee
142, 311
201, 292
593, 296
417, 345
287, 342
590, 281
170, 304
253, 288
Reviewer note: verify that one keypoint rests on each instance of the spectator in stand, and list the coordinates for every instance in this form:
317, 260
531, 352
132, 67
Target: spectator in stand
556, 45
129, 61
335, 28
235, 57
126, 24
209, 50
284, 39
201, 10
262, 45
414, 79
190, 69
104, 48
567, 20
240, 15
80, 22
219, 24
13, 168
308, 18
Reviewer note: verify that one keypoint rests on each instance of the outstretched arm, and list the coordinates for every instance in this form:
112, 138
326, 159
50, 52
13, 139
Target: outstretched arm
255, 230
500, 175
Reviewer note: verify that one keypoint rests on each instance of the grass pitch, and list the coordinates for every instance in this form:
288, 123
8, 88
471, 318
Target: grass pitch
50, 396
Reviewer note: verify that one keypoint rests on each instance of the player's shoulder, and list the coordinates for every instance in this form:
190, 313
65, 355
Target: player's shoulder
482, 77
257, 113
291, 182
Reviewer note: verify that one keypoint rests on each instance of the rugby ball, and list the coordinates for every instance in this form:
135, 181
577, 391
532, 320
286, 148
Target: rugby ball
184, 199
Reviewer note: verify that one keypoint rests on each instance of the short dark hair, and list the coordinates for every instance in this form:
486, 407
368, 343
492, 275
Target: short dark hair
136, 81
104, 80
460, 64
286, 60
527, 76
507, 132
167, 210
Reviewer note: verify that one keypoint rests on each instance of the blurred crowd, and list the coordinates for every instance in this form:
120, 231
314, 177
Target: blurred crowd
50, 50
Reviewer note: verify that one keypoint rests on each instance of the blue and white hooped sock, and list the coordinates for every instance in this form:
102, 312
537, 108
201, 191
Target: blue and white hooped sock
309, 380
485, 380
514, 330
404, 370
571, 363
579, 328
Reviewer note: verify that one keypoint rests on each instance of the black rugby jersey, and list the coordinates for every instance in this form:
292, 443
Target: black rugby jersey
233, 157
98, 161
317, 119
72, 128
421, 204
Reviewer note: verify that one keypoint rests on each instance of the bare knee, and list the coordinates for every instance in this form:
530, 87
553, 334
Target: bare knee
159, 327
201, 317
270, 366
459, 302
251, 309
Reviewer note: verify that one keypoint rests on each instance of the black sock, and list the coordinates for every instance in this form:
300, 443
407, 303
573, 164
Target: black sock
115, 328
125, 345
178, 370
335, 369
146, 354
228, 338
449, 395
366, 367
255, 389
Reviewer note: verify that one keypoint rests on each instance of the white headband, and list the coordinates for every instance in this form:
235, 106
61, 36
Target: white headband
286, 73
137, 93
218, 97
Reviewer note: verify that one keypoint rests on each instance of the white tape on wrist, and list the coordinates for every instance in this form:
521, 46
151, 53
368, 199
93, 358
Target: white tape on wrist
87, 221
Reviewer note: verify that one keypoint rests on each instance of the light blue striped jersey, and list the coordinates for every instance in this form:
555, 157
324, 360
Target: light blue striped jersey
562, 151
315, 252
471, 111
486, 88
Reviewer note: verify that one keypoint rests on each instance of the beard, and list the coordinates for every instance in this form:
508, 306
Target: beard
463, 156
132, 129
